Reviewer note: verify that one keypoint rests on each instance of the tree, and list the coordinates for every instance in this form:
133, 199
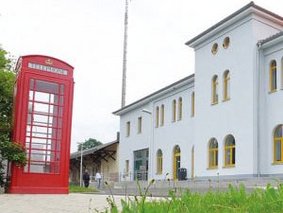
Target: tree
9, 151
7, 80
89, 144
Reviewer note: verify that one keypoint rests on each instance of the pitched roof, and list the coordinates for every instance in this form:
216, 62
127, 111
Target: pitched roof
77, 154
153, 94
271, 38
251, 4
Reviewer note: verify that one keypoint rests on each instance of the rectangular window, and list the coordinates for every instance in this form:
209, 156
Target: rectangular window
162, 116
139, 124
278, 156
157, 117
159, 164
193, 104
214, 98
174, 111
273, 76
180, 109
127, 167
128, 130
226, 86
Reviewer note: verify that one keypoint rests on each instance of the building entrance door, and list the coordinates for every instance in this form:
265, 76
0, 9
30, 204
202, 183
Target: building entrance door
176, 161
141, 164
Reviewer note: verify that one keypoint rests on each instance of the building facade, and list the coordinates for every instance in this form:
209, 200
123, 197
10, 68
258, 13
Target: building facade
222, 121
102, 158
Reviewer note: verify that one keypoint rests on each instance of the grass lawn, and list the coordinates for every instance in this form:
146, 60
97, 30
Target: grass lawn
78, 189
235, 199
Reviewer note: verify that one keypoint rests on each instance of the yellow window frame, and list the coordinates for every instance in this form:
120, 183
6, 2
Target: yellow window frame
159, 161
193, 104
214, 90
273, 76
276, 139
176, 154
226, 95
214, 153
174, 109
229, 148
162, 115
180, 109
157, 117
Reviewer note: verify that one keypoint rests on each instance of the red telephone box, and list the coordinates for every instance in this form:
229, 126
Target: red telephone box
43, 98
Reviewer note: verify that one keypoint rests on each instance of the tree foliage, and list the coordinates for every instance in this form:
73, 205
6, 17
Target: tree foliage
9, 151
89, 144
6, 99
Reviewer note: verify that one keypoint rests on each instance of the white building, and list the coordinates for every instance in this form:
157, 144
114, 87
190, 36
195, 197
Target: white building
224, 120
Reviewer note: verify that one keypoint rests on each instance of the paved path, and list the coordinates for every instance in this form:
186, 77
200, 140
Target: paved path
71, 203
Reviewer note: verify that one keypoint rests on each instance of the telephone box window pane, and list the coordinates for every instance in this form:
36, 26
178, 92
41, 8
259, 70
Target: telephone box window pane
44, 97
31, 84
61, 102
47, 87
59, 134
60, 123
61, 111
42, 120
55, 111
31, 95
42, 108
62, 90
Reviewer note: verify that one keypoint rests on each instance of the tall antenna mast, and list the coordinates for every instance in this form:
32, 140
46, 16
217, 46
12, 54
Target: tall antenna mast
125, 55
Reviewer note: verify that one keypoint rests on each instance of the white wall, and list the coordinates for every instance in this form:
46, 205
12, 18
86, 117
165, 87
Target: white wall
238, 116
271, 108
136, 141
174, 133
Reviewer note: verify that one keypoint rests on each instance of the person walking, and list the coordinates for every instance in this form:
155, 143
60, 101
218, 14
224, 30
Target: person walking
98, 179
86, 179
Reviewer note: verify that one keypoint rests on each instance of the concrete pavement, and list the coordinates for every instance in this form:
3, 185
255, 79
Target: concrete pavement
71, 203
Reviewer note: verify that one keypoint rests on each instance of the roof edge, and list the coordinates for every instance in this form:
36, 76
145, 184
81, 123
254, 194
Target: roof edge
93, 149
223, 21
265, 42
118, 112
47, 56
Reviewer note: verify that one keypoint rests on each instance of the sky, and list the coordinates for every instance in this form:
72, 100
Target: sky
88, 34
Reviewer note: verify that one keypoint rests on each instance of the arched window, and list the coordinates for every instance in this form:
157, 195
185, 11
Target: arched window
214, 99
230, 151
273, 76
226, 85
213, 153
193, 104
157, 117
159, 162
278, 144
174, 111
180, 108
162, 116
